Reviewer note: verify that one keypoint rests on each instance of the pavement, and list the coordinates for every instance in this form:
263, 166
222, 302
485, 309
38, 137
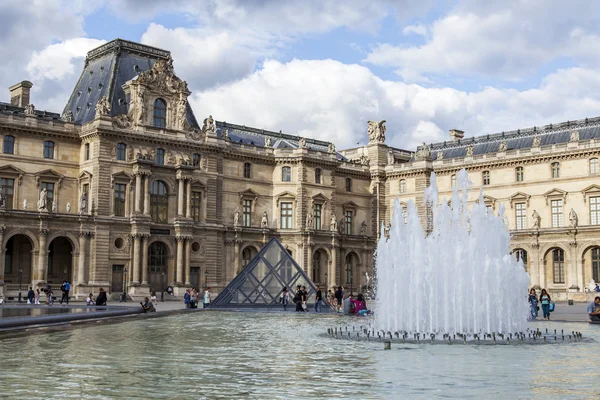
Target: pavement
563, 312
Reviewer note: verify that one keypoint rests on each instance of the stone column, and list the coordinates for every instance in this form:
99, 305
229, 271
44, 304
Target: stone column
146, 194
236, 257
82, 257
144, 265
135, 268
138, 192
42, 269
572, 266
333, 267
2, 254
188, 255
188, 205
309, 261
180, 196
179, 277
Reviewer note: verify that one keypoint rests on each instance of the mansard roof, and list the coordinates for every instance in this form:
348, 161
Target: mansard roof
588, 128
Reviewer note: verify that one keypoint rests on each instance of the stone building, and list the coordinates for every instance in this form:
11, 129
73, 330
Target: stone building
126, 190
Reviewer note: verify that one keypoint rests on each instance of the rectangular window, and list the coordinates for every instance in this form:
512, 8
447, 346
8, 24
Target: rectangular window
558, 259
8, 188
50, 193
196, 206
520, 174
9, 144
594, 210
247, 170
318, 175
557, 213
521, 216
247, 213
486, 178
49, 149
286, 174
594, 167
348, 218
121, 151
87, 151
555, 170
317, 208
286, 215
402, 186
119, 200
348, 185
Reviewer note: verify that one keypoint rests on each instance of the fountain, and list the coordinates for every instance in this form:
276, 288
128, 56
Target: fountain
458, 282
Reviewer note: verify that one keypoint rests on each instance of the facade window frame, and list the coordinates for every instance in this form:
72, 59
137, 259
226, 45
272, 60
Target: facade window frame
521, 216
49, 149
348, 184
558, 266
348, 216
594, 166
160, 157
7, 185
594, 210
50, 190
196, 158
402, 185
595, 255
247, 213
86, 152
196, 206
159, 202
119, 199
121, 152
247, 170
519, 174
556, 208
159, 113
318, 175
555, 169
9, 144
286, 174
453, 181
317, 216
287, 215
485, 175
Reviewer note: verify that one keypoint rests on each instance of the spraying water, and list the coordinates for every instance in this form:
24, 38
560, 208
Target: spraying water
460, 279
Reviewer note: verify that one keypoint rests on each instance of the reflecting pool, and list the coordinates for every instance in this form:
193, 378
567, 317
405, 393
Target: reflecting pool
275, 355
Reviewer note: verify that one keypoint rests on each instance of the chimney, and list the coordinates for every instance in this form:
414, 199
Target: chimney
456, 135
19, 93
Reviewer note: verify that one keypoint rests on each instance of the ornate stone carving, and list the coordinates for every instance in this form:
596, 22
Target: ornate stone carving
29, 109
333, 223
268, 142
574, 136
225, 135
424, 153
302, 143
376, 131
573, 220
503, 146
439, 155
24, 204
470, 151
364, 160
2, 198
209, 127
67, 116
54, 206
390, 158
43, 201
264, 222
68, 207
171, 160
195, 134
309, 220
122, 121
236, 217
536, 220
162, 78
83, 203
181, 114
363, 228
536, 142
103, 106
331, 148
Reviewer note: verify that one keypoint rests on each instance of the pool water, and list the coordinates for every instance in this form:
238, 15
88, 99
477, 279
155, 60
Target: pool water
218, 355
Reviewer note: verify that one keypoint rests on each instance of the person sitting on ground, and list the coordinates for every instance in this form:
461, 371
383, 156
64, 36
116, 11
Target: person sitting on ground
170, 290
347, 305
147, 305
90, 300
101, 299
593, 310
360, 305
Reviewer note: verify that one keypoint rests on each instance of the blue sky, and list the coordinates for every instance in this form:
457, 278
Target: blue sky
324, 68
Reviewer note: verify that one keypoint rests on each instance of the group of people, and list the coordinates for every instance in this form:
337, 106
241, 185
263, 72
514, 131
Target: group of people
347, 303
544, 300
33, 297
100, 300
191, 298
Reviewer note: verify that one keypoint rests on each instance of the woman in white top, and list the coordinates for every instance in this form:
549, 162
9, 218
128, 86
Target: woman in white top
90, 300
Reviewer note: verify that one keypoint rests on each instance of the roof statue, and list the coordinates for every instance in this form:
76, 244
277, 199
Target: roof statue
162, 78
262, 281
574, 136
331, 148
302, 143
29, 109
103, 106
376, 131
470, 151
209, 126
502, 147
423, 153
67, 116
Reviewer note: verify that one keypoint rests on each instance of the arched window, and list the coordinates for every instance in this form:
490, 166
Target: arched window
348, 185
121, 151
286, 174
453, 181
247, 255
403, 186
160, 157
317, 175
49, 149
521, 255
196, 160
159, 202
9, 144
486, 177
520, 174
594, 167
247, 170
158, 258
558, 265
555, 170
596, 263
159, 118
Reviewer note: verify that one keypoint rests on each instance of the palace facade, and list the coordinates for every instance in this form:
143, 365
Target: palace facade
125, 190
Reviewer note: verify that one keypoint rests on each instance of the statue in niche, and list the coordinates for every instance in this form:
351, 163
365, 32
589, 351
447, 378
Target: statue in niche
268, 142
536, 142
333, 223
536, 220
331, 148
502, 147
573, 218
574, 136
68, 207
43, 201
264, 222
83, 203
309, 220
363, 228
181, 114
2, 198
24, 204
141, 107
341, 225
209, 126
376, 131
103, 106
470, 151
236, 217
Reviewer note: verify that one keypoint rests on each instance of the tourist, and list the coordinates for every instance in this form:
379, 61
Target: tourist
49, 296
90, 300
194, 298
187, 298
593, 310
339, 296
533, 304
284, 298
37, 296
66, 287
30, 296
206, 299
347, 305
298, 298
304, 299
360, 305
101, 299
147, 305
318, 299
153, 297
545, 300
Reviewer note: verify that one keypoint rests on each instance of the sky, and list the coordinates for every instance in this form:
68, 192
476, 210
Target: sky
323, 68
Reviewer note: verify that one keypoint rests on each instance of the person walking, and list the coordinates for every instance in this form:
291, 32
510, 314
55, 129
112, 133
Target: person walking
36, 299
49, 296
206, 300
533, 304
30, 296
545, 300
284, 298
66, 287
298, 298
318, 299
339, 296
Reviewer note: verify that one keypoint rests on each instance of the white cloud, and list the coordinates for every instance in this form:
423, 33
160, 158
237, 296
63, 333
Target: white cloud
418, 29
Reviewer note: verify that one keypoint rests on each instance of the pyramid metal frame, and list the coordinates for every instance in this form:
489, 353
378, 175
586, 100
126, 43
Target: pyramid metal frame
260, 272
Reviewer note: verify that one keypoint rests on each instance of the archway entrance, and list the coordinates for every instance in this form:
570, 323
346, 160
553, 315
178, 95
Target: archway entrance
319, 267
18, 267
158, 258
60, 262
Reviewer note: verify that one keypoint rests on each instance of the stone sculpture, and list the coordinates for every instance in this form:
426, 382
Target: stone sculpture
341, 226
67, 116
209, 126
236, 217
536, 220
268, 142
333, 223
103, 106
363, 228
2, 199
390, 158
309, 220
574, 136
331, 148
43, 201
68, 207
573, 218
181, 114
440, 155
302, 143
264, 222
470, 151
376, 131
83, 203
53, 206
29, 109
24, 204
536, 142
502, 147
424, 152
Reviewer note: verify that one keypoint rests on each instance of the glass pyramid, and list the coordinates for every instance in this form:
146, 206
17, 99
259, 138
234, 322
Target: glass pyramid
261, 282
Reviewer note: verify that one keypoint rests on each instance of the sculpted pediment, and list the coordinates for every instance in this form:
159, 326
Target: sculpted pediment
11, 170
48, 174
556, 193
320, 198
518, 197
285, 196
248, 194
592, 190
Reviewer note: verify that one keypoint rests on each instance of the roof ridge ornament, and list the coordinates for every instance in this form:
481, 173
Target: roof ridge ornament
376, 131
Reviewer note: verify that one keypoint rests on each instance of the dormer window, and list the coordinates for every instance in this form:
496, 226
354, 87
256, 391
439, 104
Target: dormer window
159, 118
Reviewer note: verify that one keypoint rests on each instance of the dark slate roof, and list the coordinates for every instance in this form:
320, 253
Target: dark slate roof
106, 69
588, 128
257, 137
8, 108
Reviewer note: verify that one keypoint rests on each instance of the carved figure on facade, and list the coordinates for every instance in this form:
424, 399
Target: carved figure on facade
331, 148
536, 142
302, 143
268, 142
181, 114
264, 222
162, 78
376, 131
423, 153
309, 220
536, 220
502, 147
209, 127
470, 151
122, 121
171, 158
225, 135
341, 226
54, 206
83, 203
573, 220
103, 106
2, 198
29, 109
67, 116
574, 136
364, 160
236, 217
24, 204
43, 201
333, 223
363, 228
390, 158
68, 207
439, 155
